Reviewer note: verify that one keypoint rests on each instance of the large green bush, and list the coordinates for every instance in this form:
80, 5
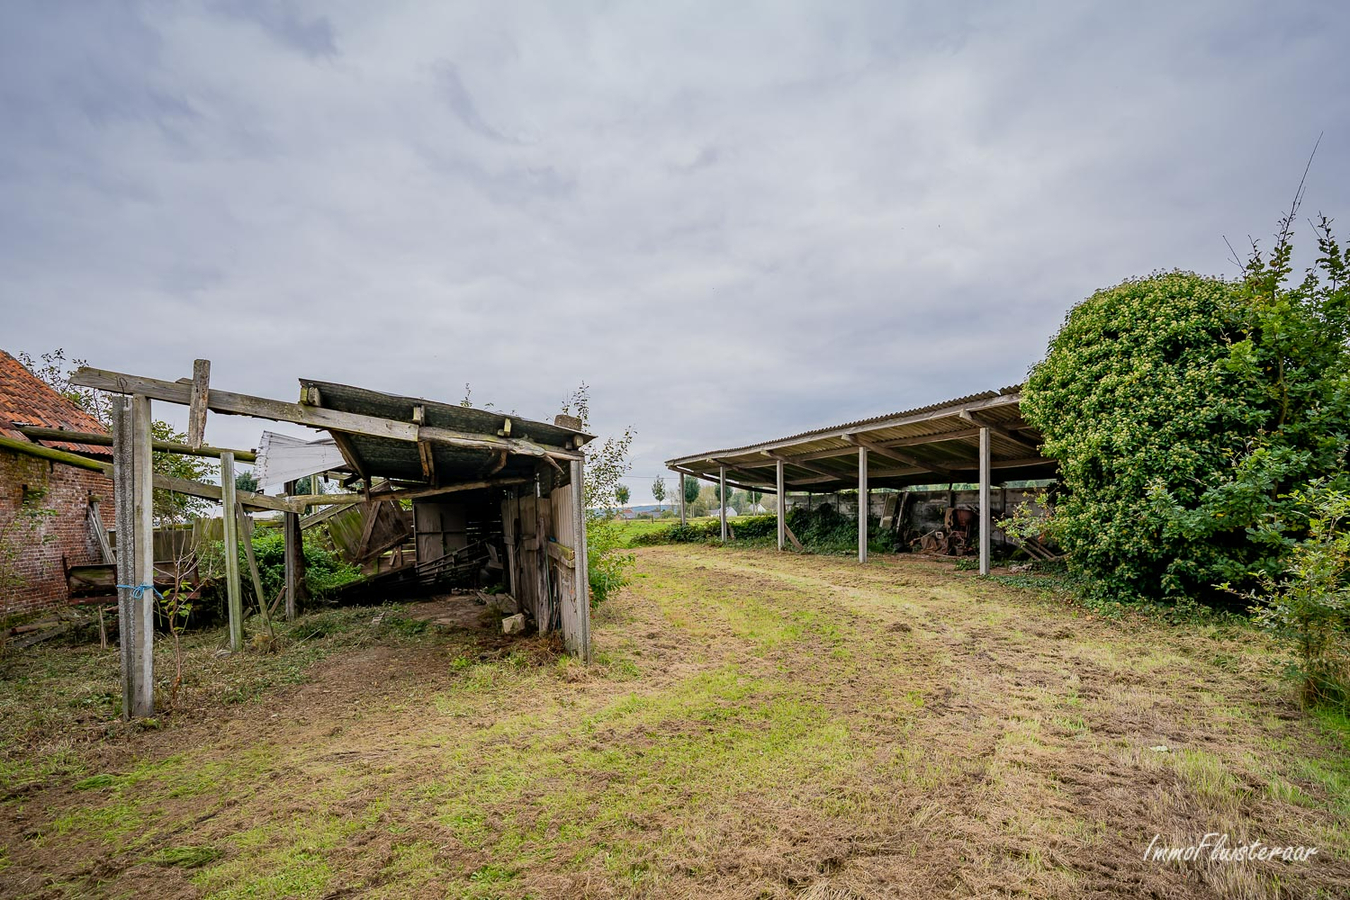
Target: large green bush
1187, 413
1133, 397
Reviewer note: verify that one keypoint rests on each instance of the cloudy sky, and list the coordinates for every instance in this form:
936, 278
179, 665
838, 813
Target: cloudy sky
734, 221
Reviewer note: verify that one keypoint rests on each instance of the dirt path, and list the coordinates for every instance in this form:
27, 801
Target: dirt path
757, 725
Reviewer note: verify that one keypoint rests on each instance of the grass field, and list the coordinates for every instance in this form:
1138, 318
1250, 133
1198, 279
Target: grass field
756, 725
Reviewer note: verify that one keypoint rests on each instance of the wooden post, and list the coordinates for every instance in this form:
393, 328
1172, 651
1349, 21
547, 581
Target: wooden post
294, 553
246, 533
862, 504
722, 495
782, 508
984, 501
581, 573
201, 382
683, 520
230, 525
134, 497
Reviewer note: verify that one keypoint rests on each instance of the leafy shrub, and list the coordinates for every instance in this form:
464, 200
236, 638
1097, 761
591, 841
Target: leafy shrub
325, 571
821, 530
1134, 399
1185, 411
606, 564
1308, 604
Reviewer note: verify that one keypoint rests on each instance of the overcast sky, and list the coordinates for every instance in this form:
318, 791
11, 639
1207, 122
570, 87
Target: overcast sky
734, 221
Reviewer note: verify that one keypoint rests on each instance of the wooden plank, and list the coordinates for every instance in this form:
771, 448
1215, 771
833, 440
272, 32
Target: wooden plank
201, 385
245, 405
583, 577
344, 445
793, 537
246, 532
472, 441
42, 433
428, 460
105, 550
215, 492
230, 526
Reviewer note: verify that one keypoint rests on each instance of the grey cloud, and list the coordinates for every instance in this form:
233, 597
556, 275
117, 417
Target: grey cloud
734, 222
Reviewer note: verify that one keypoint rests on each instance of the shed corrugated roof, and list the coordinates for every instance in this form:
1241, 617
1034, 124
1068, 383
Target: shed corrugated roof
860, 423
400, 459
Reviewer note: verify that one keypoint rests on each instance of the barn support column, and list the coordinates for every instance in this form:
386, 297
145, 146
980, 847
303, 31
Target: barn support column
582, 576
683, 520
133, 485
984, 501
782, 510
862, 504
234, 595
722, 495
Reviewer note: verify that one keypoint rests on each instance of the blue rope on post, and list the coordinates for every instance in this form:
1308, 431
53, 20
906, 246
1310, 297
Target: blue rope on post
138, 590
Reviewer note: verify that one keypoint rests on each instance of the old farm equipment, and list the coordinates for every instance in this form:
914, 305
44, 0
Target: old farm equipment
956, 537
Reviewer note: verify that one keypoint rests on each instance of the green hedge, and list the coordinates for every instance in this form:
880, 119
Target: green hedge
821, 530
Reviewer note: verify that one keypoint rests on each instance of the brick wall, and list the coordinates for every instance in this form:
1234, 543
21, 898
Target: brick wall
65, 535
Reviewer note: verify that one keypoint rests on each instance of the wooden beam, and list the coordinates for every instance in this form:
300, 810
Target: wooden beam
307, 414
581, 579
105, 550
906, 459
201, 385
428, 459
245, 405
215, 492
61, 456
1005, 433
230, 526
246, 532
803, 464
963, 434
37, 433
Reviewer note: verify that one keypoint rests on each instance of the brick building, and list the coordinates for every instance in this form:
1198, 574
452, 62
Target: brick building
39, 556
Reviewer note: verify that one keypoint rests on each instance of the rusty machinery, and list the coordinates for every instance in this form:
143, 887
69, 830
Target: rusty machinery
956, 537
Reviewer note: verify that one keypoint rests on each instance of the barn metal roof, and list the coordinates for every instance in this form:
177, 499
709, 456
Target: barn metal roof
928, 444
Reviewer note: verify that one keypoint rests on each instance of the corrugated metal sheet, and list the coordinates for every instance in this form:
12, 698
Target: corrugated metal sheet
932, 439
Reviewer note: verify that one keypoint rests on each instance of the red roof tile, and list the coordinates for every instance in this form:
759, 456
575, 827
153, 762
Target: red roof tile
27, 400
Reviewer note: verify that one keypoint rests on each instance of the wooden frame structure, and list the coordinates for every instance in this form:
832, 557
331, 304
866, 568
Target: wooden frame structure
969, 439
419, 450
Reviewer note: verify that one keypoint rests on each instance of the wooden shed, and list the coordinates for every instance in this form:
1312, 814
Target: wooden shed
482, 486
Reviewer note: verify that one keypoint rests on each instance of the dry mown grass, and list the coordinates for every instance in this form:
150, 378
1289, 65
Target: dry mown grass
757, 726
